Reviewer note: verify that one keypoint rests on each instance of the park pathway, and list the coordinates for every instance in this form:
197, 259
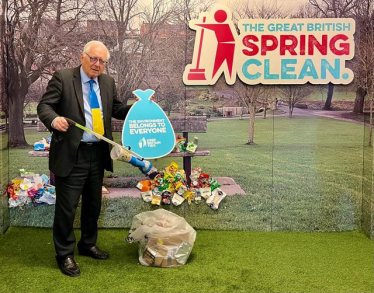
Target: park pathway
338, 115
347, 115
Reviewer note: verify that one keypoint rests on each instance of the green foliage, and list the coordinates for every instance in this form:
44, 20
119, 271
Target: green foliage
200, 110
204, 104
221, 261
209, 96
30, 109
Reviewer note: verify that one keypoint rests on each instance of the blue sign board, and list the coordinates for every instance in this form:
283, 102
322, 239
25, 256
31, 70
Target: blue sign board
147, 130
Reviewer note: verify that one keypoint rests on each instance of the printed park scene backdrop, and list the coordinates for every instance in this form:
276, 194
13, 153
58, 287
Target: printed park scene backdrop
289, 157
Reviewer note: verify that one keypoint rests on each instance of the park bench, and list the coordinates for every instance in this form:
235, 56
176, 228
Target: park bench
183, 125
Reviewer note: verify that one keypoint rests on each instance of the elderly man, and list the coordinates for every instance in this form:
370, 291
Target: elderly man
77, 158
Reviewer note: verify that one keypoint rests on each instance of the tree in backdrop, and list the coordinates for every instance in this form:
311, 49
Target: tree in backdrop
364, 59
255, 96
363, 63
36, 90
251, 96
321, 90
185, 10
295, 93
42, 35
268, 101
3, 74
172, 46
132, 48
178, 52
244, 9
335, 9
167, 67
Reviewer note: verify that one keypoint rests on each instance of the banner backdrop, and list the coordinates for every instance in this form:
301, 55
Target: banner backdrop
313, 172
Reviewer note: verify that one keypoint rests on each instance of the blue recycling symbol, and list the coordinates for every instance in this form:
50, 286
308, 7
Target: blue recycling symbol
147, 130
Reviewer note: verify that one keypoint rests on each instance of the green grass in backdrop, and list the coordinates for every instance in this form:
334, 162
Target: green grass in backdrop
221, 261
341, 94
303, 174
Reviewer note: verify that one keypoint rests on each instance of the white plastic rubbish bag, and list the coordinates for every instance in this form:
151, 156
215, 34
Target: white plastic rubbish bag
165, 239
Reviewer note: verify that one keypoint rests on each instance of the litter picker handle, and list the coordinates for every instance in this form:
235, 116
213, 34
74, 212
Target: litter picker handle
99, 136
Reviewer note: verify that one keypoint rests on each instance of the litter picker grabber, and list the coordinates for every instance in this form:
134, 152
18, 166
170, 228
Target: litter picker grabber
121, 153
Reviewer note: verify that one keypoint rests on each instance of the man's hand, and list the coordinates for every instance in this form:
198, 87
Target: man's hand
60, 124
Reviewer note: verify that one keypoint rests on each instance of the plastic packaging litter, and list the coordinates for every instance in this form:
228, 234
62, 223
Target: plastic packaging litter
215, 199
22, 200
165, 239
180, 144
146, 196
48, 198
170, 187
192, 145
42, 145
32, 189
177, 199
26, 174
45, 179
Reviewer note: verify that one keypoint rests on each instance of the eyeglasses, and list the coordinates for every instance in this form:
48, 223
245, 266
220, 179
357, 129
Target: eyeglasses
93, 60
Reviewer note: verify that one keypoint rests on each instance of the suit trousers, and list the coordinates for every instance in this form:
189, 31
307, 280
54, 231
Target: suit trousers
86, 179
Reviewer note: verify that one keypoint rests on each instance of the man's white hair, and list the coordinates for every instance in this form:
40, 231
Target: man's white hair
88, 46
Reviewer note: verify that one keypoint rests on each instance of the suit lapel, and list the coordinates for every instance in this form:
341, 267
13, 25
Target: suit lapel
104, 97
78, 89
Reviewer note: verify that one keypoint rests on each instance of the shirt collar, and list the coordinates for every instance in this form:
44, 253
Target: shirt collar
85, 78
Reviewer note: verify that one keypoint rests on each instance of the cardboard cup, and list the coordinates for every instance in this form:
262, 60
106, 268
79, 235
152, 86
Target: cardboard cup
119, 153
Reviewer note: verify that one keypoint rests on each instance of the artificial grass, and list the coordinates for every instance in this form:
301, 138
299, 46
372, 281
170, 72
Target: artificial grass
303, 174
221, 261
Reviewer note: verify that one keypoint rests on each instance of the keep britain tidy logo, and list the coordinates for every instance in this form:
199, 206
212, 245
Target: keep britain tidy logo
273, 51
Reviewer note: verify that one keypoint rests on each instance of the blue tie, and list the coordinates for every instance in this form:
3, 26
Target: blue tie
97, 121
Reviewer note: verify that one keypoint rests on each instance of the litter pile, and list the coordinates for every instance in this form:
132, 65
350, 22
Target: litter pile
31, 188
170, 186
165, 239
43, 144
182, 146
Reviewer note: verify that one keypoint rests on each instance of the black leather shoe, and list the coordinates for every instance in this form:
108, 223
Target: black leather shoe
94, 252
68, 266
